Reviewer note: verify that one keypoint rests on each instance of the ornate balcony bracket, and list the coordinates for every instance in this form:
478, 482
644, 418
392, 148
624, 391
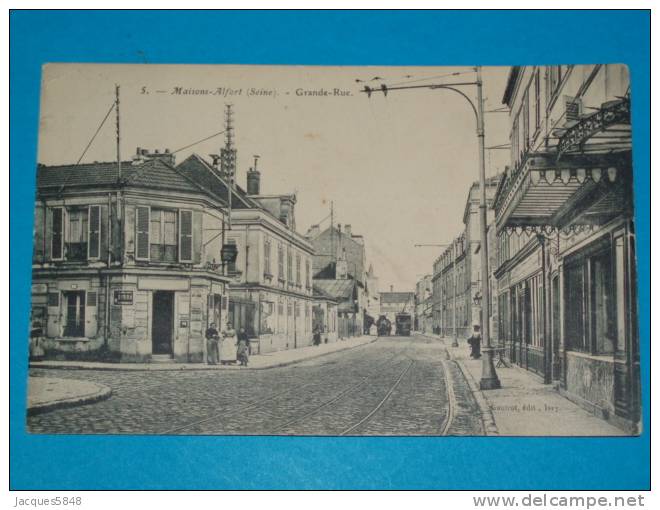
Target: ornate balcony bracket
610, 114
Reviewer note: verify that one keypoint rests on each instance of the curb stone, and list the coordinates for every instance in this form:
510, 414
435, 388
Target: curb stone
202, 366
487, 417
103, 393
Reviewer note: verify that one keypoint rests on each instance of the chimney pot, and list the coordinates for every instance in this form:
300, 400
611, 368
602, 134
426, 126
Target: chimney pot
391, 288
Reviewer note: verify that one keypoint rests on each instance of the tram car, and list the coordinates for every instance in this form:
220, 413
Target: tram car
383, 326
403, 324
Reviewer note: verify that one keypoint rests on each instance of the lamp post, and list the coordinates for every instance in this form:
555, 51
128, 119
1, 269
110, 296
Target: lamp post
489, 379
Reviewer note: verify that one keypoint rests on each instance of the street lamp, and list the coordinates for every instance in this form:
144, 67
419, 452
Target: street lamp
489, 379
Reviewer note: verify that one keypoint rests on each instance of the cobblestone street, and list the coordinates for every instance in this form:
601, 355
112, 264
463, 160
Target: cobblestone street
395, 386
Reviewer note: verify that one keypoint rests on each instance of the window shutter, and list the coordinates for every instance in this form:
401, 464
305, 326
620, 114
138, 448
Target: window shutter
185, 236
103, 253
57, 233
38, 234
94, 234
142, 220
573, 108
197, 237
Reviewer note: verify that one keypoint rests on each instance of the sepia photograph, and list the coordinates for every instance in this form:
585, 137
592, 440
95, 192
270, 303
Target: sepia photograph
241, 250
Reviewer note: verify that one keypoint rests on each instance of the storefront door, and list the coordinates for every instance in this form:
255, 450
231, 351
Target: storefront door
162, 323
75, 313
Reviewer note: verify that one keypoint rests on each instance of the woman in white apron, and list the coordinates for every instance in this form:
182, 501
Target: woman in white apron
228, 347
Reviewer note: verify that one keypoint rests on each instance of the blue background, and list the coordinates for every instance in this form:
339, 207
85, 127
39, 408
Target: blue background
352, 38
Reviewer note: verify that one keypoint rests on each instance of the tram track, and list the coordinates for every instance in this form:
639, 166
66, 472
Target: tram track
261, 402
381, 403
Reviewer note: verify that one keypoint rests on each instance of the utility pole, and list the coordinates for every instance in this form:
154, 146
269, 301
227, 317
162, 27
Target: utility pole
228, 158
489, 379
120, 205
332, 237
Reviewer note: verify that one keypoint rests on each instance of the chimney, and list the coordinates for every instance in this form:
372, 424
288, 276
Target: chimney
253, 179
313, 232
142, 155
391, 288
348, 230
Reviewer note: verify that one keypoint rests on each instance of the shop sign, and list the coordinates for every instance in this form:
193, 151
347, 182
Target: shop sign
123, 297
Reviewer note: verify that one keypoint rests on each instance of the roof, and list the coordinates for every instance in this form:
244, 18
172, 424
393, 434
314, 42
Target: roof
153, 173
322, 294
510, 84
396, 297
341, 289
199, 171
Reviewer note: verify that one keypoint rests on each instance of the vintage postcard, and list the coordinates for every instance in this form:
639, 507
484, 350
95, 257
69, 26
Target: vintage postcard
334, 251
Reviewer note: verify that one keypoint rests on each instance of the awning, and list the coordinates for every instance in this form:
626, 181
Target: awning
546, 194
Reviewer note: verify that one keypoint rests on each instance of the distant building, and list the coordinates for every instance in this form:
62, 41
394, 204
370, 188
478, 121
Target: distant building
339, 254
424, 305
373, 294
325, 317
345, 293
392, 303
457, 272
270, 293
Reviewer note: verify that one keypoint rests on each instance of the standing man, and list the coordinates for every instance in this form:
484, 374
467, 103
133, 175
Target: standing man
212, 337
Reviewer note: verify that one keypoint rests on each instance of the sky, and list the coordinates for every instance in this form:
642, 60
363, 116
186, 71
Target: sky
396, 167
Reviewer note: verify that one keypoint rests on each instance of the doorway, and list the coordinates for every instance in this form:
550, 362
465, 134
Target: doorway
162, 322
75, 313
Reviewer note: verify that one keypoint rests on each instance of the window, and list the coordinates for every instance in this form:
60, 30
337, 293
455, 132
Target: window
537, 101
574, 311
267, 318
525, 113
280, 262
289, 266
298, 280
76, 234
591, 315
162, 235
280, 316
307, 274
94, 234
57, 236
603, 328
514, 143
185, 235
267, 257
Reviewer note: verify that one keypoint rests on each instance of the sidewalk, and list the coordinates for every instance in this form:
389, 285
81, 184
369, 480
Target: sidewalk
48, 393
524, 406
257, 361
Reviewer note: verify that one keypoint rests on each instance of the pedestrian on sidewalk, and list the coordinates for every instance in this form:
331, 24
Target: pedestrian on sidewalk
228, 345
212, 339
475, 342
317, 335
242, 348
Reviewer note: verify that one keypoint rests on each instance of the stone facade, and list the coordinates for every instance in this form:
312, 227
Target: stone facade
566, 274
125, 272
